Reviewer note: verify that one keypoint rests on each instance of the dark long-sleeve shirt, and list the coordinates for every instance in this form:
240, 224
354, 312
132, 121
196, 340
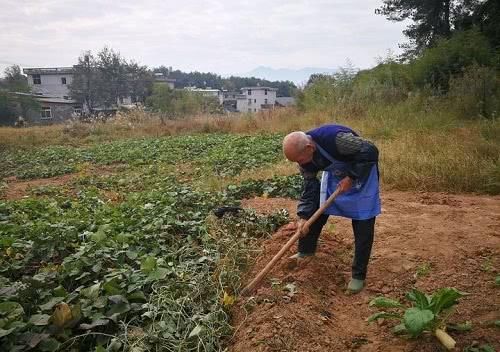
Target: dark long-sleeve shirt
360, 154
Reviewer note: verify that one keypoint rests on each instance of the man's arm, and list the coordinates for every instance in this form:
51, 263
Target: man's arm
309, 199
362, 153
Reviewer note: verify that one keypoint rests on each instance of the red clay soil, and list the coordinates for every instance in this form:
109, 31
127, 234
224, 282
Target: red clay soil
450, 240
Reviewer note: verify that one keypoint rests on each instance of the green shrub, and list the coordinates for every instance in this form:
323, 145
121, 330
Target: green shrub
389, 82
180, 103
475, 93
449, 57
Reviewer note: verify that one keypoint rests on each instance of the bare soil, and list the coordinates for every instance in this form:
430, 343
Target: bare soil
20, 188
17, 189
423, 240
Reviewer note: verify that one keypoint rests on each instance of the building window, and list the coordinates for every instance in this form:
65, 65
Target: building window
63, 80
249, 110
265, 91
255, 100
249, 92
255, 110
77, 110
265, 101
37, 79
249, 101
66, 97
45, 113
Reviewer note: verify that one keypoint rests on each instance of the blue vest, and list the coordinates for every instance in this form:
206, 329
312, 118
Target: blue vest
325, 137
362, 201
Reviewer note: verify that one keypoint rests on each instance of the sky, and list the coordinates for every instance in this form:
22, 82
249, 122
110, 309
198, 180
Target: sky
225, 36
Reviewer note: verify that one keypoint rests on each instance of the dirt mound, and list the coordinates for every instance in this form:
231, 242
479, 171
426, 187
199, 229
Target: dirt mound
426, 240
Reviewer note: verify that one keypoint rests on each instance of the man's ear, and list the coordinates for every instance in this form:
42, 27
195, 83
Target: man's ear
311, 147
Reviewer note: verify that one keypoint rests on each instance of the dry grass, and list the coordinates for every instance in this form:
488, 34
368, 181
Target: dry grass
421, 148
138, 124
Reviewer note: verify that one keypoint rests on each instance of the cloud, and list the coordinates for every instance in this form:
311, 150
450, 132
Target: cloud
218, 36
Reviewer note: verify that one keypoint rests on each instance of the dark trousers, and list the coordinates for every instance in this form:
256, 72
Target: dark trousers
364, 231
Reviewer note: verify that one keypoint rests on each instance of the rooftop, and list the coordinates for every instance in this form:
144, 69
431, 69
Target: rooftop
260, 88
193, 89
47, 70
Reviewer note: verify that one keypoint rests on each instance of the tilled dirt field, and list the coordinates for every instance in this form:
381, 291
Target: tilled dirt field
423, 240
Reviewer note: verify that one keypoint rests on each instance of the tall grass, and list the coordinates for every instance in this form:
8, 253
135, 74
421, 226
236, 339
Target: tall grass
423, 145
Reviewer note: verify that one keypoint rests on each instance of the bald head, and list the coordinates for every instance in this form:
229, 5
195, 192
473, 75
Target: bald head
298, 147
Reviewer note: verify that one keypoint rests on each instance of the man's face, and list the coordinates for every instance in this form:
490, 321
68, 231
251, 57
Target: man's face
306, 156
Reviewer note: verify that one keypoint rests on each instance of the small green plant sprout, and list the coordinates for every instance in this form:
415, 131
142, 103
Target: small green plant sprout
487, 265
423, 270
424, 313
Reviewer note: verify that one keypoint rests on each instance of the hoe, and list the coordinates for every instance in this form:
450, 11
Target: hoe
252, 285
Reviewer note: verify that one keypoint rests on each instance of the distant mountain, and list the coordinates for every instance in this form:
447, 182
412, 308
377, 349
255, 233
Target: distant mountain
285, 74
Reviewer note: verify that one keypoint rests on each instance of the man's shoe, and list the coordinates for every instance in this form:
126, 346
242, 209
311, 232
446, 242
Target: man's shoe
355, 285
300, 255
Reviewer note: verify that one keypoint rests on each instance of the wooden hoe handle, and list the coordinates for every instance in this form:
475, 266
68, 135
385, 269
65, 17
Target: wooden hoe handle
287, 246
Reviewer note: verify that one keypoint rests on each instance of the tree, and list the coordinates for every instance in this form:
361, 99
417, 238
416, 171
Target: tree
12, 104
431, 20
139, 82
450, 57
86, 81
435, 19
487, 18
103, 80
7, 113
15, 81
112, 70
161, 99
179, 103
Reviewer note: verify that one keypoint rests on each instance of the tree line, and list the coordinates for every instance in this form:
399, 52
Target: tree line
232, 83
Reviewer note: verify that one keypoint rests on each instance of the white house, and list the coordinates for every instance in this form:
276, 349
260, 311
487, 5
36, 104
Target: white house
257, 99
49, 87
52, 82
248, 99
234, 101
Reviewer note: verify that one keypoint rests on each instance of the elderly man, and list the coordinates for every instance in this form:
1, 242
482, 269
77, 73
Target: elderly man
348, 162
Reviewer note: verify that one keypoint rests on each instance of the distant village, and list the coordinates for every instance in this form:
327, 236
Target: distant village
50, 88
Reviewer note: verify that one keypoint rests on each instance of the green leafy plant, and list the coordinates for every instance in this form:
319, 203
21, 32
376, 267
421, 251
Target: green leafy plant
424, 313
278, 186
83, 272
